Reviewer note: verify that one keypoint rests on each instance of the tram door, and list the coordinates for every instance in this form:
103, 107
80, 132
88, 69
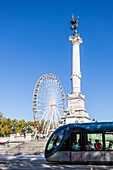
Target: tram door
76, 139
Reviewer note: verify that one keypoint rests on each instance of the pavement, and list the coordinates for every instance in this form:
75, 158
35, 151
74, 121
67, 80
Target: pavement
38, 162
12, 162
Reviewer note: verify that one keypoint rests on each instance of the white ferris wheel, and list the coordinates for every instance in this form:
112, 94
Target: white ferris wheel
48, 103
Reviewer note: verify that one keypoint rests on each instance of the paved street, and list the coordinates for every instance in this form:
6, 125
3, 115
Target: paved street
38, 162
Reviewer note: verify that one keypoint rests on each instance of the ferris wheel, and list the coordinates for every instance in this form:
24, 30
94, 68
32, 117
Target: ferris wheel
48, 102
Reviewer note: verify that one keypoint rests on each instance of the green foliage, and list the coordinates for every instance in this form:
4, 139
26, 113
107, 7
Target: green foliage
6, 125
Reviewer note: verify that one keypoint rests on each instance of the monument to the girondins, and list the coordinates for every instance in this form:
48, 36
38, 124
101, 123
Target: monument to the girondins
75, 111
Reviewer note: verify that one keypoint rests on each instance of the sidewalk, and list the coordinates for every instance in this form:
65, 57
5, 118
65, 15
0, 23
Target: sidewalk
38, 162
11, 162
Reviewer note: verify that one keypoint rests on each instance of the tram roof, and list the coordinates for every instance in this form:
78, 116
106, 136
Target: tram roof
91, 126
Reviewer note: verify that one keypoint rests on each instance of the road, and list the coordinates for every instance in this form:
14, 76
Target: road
38, 162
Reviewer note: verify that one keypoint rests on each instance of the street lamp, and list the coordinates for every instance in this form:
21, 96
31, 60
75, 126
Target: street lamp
24, 130
28, 129
13, 129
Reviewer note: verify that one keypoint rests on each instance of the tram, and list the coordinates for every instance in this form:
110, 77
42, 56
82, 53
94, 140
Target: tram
81, 143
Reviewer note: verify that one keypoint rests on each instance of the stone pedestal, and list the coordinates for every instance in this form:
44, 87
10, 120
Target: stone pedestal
28, 136
12, 137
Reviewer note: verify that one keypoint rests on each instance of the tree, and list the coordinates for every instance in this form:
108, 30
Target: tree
6, 125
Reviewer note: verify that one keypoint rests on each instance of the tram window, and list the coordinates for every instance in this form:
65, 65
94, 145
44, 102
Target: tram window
66, 144
95, 141
75, 141
109, 141
86, 141
56, 140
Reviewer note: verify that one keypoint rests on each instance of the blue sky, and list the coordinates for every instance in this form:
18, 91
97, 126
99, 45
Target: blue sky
34, 41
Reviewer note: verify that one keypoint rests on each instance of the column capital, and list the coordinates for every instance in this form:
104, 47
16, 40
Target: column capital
75, 39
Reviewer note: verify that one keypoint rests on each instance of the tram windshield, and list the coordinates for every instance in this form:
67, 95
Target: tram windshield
55, 140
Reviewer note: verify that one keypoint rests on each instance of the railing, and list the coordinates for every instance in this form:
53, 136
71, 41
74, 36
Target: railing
33, 147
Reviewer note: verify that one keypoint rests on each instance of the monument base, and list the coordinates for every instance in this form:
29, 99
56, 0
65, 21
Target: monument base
75, 118
75, 111
12, 137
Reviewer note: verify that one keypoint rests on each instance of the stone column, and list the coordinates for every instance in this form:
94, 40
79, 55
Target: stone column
76, 74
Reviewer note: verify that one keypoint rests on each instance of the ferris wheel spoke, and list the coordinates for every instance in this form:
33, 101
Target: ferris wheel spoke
60, 109
46, 114
42, 111
60, 96
60, 104
44, 124
43, 104
49, 123
58, 114
42, 99
55, 115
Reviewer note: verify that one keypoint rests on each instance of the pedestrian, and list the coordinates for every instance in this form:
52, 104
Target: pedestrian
37, 135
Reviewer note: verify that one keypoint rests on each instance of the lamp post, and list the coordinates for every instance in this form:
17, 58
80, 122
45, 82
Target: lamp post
13, 129
24, 130
28, 129
28, 134
13, 136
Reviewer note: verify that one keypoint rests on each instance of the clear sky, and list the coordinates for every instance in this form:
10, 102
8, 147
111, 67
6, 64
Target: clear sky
34, 41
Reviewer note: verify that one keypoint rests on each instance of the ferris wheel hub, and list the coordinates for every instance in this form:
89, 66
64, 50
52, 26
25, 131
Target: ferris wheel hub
53, 105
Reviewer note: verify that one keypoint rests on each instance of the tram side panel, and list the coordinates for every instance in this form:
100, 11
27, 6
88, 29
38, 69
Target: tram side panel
60, 156
76, 156
109, 156
93, 156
